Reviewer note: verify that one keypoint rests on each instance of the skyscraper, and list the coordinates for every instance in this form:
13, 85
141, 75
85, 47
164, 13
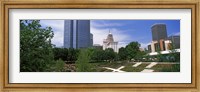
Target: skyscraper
77, 33
175, 41
159, 35
159, 31
91, 39
68, 34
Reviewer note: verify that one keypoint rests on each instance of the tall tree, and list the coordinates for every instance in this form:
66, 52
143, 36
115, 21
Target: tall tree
72, 54
122, 53
60, 53
109, 54
98, 55
35, 46
82, 64
132, 50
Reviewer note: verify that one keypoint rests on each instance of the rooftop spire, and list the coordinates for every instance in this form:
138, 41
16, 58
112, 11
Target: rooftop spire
109, 31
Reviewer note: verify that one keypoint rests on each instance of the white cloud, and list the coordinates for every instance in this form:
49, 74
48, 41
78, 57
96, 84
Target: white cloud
105, 24
100, 34
56, 24
122, 44
58, 38
144, 45
58, 29
178, 33
100, 30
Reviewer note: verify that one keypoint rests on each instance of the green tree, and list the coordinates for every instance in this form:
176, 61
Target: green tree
35, 46
82, 64
173, 53
91, 51
60, 53
57, 66
122, 53
72, 54
132, 50
98, 55
109, 54
159, 56
141, 55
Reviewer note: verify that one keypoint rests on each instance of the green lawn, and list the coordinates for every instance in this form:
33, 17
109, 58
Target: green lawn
129, 68
166, 68
108, 64
98, 67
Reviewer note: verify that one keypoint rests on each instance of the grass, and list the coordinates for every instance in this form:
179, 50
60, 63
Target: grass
139, 68
166, 68
98, 67
108, 64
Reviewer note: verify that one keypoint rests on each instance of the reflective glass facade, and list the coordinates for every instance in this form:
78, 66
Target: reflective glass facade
77, 34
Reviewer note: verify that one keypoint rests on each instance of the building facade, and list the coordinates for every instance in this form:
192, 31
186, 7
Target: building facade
175, 41
161, 45
159, 31
160, 40
77, 34
110, 43
91, 39
97, 46
68, 34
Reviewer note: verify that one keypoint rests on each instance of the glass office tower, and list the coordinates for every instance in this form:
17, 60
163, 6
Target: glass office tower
77, 34
159, 31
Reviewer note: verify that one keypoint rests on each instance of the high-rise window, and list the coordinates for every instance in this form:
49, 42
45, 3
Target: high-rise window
159, 31
77, 34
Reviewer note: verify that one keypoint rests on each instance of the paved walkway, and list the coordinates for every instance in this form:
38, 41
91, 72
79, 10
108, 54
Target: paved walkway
137, 64
115, 70
158, 62
151, 65
146, 69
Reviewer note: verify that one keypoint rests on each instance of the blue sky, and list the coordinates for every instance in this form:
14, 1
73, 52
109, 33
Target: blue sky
124, 31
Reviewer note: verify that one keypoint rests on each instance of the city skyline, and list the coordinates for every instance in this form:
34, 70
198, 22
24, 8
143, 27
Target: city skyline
78, 53
124, 31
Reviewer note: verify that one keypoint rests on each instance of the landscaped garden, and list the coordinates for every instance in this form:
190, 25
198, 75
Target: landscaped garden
128, 67
37, 54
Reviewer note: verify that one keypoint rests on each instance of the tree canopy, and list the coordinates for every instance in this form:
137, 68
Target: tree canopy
122, 53
35, 46
132, 50
82, 64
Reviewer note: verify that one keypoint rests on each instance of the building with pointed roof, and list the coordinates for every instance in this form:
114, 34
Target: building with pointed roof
110, 43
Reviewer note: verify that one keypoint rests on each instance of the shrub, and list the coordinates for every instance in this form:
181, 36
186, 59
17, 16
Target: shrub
82, 64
